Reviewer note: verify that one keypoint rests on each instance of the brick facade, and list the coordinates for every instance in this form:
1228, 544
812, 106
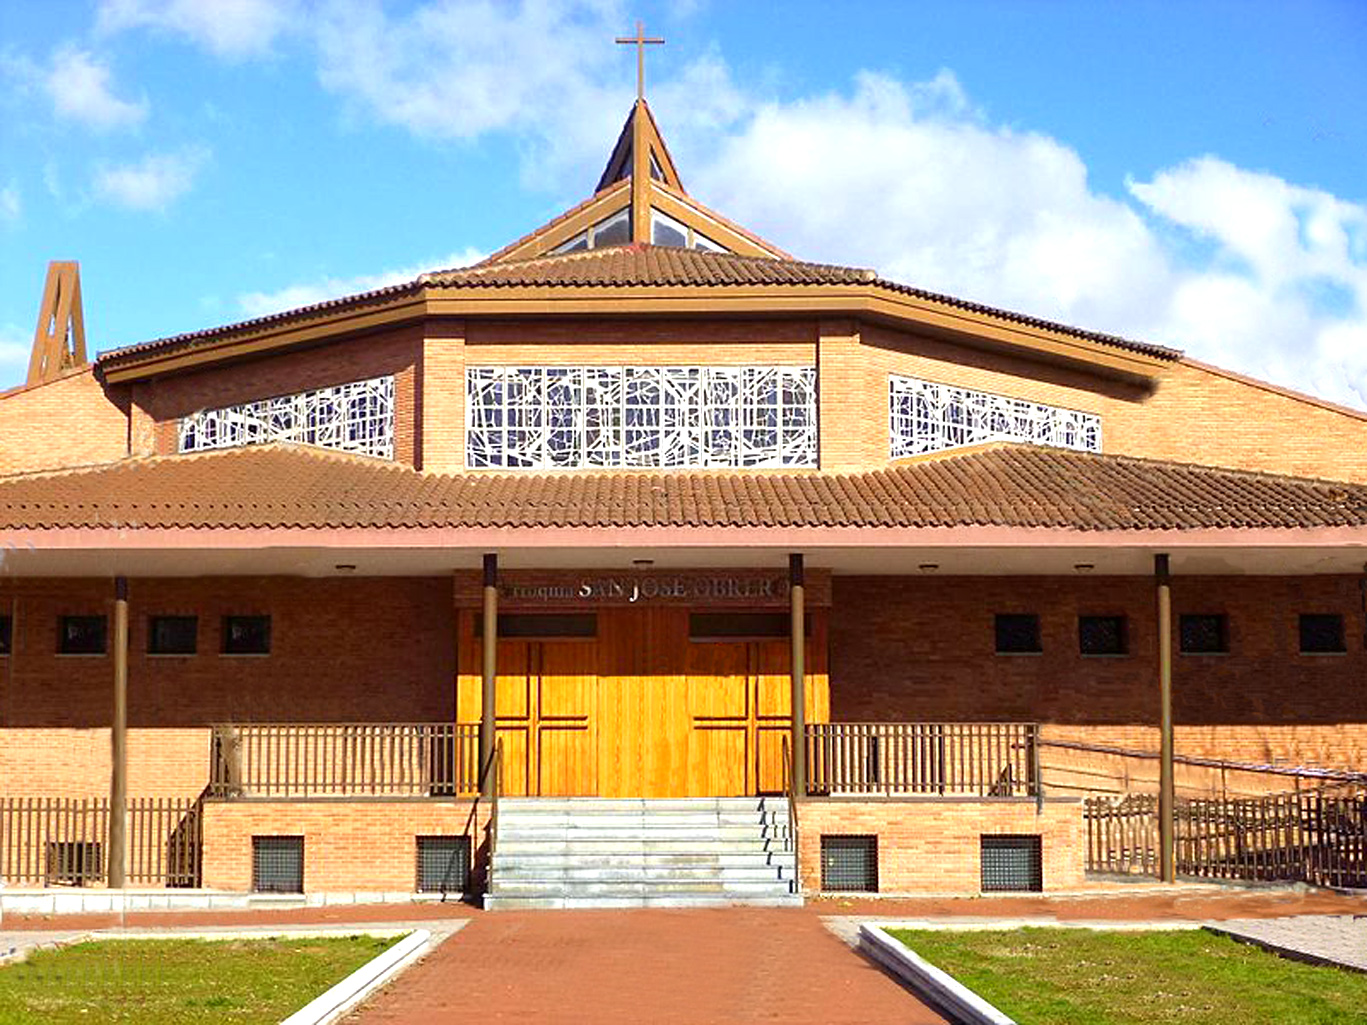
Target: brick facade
68, 421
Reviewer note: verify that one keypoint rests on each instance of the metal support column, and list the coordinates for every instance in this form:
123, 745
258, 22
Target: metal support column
489, 651
118, 744
1166, 861
798, 629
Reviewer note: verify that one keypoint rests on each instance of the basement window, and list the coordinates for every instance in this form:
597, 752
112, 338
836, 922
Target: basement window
849, 863
172, 635
1017, 633
1103, 635
1321, 634
1203, 634
246, 635
443, 864
1012, 864
82, 635
277, 864
74, 862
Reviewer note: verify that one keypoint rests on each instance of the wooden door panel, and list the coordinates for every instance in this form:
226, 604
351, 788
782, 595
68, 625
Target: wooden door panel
773, 679
718, 681
512, 682
516, 777
716, 761
769, 769
567, 680
566, 761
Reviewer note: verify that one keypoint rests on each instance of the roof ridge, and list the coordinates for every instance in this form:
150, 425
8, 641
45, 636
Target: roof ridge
484, 268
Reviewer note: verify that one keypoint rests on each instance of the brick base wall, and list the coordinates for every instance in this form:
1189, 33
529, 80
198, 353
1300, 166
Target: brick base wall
934, 846
348, 845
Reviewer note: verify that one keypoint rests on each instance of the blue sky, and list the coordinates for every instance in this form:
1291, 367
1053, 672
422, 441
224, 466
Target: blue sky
1194, 174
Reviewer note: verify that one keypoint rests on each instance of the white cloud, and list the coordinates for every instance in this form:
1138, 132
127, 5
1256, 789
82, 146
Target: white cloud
260, 304
11, 204
79, 85
227, 28
154, 182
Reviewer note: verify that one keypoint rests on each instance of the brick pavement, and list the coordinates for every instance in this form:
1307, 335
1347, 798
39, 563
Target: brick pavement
714, 966
1320, 939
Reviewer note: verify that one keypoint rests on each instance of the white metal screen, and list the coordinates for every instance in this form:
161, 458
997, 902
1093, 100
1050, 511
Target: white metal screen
928, 417
354, 417
559, 418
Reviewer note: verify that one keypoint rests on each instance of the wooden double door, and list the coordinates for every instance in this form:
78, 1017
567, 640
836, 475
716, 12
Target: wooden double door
641, 708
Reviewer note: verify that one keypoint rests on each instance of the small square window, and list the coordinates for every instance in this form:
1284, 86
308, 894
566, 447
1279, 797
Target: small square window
1017, 634
1012, 863
6, 635
1321, 634
81, 635
1103, 635
443, 864
172, 635
278, 864
246, 635
1204, 634
849, 863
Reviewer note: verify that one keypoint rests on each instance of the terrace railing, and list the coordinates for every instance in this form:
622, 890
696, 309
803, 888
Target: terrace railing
925, 759
291, 761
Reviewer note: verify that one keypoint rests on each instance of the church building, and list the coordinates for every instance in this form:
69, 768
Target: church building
434, 587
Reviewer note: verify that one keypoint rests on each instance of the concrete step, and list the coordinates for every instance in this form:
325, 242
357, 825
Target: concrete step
645, 831
639, 887
493, 902
637, 873
667, 804
593, 847
748, 819
504, 861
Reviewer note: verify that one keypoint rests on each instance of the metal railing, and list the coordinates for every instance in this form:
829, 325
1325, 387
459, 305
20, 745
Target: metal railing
789, 789
290, 760
922, 758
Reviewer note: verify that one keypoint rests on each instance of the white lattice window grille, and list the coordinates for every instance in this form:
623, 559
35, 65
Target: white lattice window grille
564, 418
353, 417
928, 417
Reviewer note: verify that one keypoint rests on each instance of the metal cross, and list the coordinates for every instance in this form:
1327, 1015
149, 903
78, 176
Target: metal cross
640, 41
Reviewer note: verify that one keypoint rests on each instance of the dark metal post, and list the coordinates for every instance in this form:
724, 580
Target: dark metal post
118, 743
797, 608
1166, 790
489, 651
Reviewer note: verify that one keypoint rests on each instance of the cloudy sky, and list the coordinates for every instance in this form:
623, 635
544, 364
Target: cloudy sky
1193, 174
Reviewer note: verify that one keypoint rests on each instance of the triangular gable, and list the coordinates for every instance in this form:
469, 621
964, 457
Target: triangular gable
642, 129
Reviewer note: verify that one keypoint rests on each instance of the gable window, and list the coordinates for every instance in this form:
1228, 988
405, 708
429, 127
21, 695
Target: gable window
1102, 635
1203, 634
1017, 633
172, 635
667, 231
928, 417
563, 418
613, 230
356, 417
246, 635
1321, 634
82, 635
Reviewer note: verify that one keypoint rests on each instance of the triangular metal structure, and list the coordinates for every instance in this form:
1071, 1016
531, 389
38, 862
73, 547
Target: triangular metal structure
59, 339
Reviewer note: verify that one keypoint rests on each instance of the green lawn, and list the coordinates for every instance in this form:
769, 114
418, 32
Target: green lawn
152, 982
1080, 977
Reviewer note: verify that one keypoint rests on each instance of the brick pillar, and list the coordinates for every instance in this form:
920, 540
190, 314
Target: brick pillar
851, 437
441, 432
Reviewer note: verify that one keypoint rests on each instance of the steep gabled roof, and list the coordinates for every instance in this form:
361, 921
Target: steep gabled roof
285, 487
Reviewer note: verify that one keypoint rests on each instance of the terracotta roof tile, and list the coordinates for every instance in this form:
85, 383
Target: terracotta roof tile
278, 486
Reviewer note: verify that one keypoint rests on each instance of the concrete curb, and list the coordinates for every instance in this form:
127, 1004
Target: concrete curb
342, 997
942, 990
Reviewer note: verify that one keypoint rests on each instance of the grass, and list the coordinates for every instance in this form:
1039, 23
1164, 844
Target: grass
157, 982
1076, 976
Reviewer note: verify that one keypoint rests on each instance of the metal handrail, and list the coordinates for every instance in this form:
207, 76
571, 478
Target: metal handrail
790, 790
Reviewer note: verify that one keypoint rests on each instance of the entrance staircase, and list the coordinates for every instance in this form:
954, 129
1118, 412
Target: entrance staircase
586, 852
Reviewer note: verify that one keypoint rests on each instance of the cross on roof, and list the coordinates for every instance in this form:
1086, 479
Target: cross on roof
641, 41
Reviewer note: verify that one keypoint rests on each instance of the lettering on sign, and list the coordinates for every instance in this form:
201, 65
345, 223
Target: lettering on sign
635, 589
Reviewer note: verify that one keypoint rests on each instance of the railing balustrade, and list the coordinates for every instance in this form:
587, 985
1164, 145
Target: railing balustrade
923, 759
289, 760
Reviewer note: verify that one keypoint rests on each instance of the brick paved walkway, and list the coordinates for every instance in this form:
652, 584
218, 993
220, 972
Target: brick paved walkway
727, 965
1331, 939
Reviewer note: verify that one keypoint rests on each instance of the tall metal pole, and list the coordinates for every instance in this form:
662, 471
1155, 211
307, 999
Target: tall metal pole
489, 667
798, 629
1166, 790
118, 743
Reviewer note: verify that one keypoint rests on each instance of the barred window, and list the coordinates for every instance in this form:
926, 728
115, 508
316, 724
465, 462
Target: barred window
355, 417
559, 418
925, 416
1203, 634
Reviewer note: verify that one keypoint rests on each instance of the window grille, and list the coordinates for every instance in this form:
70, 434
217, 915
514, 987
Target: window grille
560, 418
443, 864
928, 417
354, 417
1102, 635
1321, 634
277, 864
1203, 634
74, 862
1017, 633
1012, 863
849, 863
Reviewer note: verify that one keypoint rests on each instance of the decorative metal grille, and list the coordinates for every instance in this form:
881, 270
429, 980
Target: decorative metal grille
849, 863
1012, 863
561, 418
354, 417
928, 417
443, 864
278, 864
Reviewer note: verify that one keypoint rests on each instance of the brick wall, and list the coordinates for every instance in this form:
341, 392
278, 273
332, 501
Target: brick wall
349, 845
934, 846
42, 762
69, 421
922, 648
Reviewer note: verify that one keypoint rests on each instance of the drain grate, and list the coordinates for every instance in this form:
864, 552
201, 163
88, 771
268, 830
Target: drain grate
278, 864
849, 863
443, 864
1012, 863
